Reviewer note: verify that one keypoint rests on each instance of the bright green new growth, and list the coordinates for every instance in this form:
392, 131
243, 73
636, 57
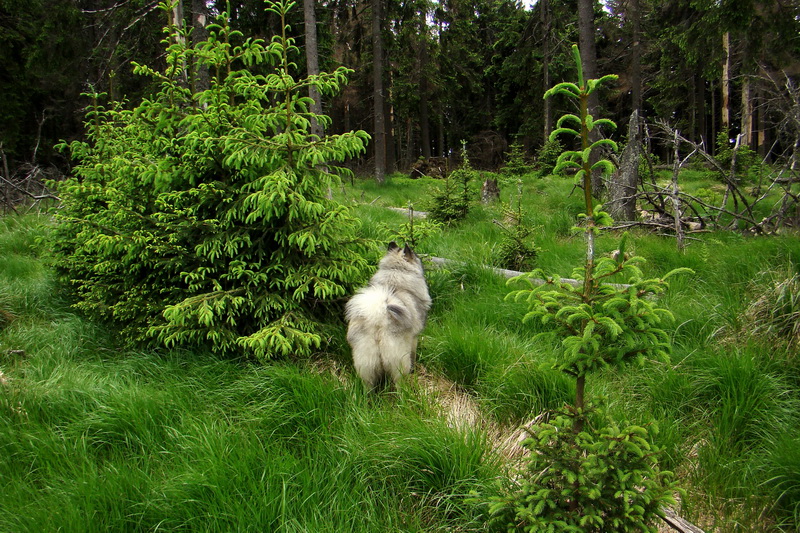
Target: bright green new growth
612, 325
203, 218
586, 473
610, 317
600, 479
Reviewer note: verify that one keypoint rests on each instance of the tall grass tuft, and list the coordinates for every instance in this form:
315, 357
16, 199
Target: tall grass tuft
774, 313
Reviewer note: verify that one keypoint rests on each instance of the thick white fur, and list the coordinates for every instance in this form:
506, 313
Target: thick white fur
386, 317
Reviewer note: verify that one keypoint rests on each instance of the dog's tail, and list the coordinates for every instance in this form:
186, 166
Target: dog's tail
380, 334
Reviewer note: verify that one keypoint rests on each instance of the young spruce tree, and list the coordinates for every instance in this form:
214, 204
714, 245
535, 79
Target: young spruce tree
201, 219
586, 472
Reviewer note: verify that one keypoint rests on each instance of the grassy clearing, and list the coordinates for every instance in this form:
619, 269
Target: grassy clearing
727, 405
98, 436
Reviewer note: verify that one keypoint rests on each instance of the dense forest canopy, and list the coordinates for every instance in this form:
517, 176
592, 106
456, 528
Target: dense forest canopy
452, 70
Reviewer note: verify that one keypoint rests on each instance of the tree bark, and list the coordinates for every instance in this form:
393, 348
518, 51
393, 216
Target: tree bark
201, 80
424, 120
634, 15
547, 112
312, 63
747, 112
377, 94
623, 185
726, 83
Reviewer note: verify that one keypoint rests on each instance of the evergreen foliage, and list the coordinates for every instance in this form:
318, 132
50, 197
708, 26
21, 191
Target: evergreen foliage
515, 250
453, 202
202, 219
736, 160
547, 157
583, 477
613, 325
414, 231
596, 480
516, 165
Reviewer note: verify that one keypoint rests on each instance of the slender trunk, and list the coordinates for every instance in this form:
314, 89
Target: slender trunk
700, 99
389, 124
712, 145
693, 128
410, 152
312, 63
747, 112
377, 94
634, 14
726, 83
440, 149
176, 21
547, 112
200, 80
761, 126
424, 121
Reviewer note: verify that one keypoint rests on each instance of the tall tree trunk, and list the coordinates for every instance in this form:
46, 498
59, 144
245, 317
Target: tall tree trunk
389, 121
424, 124
377, 94
199, 34
761, 125
586, 38
441, 150
547, 112
726, 83
175, 16
700, 102
693, 108
712, 146
312, 63
747, 113
634, 15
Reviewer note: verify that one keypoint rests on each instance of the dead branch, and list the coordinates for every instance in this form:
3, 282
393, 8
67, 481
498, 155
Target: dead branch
678, 164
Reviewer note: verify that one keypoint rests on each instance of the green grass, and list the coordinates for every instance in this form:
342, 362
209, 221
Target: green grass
187, 442
97, 436
723, 405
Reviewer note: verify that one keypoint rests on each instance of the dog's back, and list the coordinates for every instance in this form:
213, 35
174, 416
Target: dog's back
386, 317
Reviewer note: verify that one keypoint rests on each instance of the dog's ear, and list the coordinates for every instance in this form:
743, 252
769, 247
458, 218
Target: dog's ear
393, 246
408, 253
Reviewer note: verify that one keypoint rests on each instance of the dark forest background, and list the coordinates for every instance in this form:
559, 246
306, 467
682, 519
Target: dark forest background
450, 71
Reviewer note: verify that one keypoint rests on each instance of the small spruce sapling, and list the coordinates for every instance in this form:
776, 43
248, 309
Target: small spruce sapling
587, 473
516, 163
515, 250
453, 203
547, 157
414, 231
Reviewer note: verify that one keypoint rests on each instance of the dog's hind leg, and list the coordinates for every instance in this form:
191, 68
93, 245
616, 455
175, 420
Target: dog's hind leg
400, 362
369, 369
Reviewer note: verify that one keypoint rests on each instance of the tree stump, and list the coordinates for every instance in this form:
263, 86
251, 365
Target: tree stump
623, 185
490, 191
